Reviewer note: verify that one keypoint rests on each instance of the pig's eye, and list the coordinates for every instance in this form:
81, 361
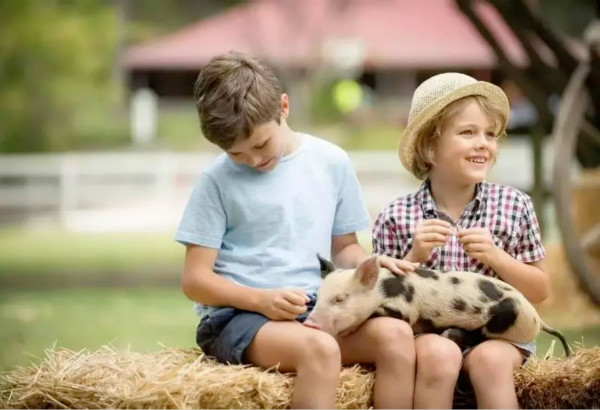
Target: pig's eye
339, 298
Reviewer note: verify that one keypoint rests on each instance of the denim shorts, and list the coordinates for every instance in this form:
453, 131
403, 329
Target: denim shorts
225, 333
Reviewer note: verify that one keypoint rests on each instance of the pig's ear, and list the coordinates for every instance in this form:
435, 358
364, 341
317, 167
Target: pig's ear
368, 272
326, 266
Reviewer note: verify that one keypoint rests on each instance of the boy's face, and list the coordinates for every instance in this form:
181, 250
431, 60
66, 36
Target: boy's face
466, 150
267, 144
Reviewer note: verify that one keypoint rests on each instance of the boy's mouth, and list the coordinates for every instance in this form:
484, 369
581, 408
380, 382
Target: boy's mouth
264, 164
477, 160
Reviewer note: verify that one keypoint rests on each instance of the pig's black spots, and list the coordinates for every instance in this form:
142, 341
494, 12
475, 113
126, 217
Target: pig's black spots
428, 274
454, 280
502, 316
476, 310
393, 313
489, 289
464, 338
459, 304
395, 286
424, 325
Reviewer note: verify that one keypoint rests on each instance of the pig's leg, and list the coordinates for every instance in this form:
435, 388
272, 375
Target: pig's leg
387, 343
314, 355
464, 338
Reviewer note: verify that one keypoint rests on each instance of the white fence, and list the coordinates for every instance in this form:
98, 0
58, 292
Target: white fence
147, 191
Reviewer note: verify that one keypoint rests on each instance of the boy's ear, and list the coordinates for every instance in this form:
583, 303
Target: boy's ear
326, 266
285, 105
367, 272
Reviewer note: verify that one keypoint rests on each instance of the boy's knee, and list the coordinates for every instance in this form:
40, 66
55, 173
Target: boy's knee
393, 338
489, 359
438, 358
321, 350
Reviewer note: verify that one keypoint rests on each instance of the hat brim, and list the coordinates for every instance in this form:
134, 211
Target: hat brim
406, 148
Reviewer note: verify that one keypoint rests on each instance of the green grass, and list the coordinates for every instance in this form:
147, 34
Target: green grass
46, 252
139, 319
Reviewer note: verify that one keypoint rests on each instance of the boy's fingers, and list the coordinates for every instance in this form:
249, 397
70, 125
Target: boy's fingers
434, 237
296, 296
444, 230
436, 222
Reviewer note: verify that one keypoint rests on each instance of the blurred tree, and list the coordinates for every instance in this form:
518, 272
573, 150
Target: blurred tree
55, 73
61, 85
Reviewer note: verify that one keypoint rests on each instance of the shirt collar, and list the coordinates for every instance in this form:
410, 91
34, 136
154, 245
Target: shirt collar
428, 204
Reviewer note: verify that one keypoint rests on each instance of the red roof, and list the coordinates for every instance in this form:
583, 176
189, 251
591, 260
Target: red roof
393, 34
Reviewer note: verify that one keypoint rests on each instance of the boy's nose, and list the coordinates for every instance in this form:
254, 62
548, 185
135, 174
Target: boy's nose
482, 140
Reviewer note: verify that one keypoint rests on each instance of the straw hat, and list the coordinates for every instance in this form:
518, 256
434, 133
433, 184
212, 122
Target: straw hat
433, 95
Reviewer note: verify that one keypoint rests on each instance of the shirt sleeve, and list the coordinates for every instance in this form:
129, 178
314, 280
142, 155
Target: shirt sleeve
385, 240
351, 213
204, 219
529, 247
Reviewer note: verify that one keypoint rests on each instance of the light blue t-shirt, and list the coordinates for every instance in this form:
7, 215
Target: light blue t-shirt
269, 226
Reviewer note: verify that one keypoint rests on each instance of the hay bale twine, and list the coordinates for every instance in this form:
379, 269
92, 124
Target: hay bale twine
186, 378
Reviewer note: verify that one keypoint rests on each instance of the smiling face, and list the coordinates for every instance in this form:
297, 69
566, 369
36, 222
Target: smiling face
267, 144
466, 149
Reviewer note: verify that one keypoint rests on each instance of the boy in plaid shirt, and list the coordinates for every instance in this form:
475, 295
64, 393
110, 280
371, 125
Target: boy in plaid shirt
458, 221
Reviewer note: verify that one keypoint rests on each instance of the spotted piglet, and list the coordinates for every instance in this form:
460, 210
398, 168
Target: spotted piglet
464, 306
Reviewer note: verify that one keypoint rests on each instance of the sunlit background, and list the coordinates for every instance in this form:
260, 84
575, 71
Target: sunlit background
100, 144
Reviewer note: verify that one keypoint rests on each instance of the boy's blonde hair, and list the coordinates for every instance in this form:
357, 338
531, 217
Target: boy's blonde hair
234, 94
432, 130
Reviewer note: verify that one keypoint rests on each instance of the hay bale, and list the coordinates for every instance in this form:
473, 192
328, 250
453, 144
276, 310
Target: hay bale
180, 378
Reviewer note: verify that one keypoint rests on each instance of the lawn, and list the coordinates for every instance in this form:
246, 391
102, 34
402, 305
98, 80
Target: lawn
55, 252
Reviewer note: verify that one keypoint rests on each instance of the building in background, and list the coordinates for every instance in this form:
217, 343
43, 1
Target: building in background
388, 45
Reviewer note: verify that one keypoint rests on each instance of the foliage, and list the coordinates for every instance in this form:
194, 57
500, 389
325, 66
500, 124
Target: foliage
57, 89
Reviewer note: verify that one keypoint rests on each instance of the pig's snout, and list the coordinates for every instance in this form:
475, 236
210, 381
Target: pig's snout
309, 322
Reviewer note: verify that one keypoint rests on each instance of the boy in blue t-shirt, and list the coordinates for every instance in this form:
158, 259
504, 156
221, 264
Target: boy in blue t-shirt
254, 223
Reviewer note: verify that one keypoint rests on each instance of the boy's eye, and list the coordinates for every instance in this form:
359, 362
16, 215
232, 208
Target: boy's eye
466, 132
234, 154
261, 145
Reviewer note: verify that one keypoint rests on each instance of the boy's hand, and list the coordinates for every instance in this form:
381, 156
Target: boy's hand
397, 266
479, 244
283, 304
429, 234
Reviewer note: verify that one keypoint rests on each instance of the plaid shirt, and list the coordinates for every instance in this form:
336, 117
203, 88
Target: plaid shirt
506, 212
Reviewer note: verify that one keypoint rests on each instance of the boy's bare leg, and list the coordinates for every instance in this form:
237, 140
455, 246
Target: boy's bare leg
314, 355
438, 366
491, 366
389, 344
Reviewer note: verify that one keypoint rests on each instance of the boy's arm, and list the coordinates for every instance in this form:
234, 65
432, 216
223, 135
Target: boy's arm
531, 279
201, 284
346, 252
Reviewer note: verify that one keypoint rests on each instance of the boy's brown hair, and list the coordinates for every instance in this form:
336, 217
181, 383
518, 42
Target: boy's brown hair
234, 94
430, 132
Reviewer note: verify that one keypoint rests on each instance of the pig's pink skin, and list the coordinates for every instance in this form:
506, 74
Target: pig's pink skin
312, 324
